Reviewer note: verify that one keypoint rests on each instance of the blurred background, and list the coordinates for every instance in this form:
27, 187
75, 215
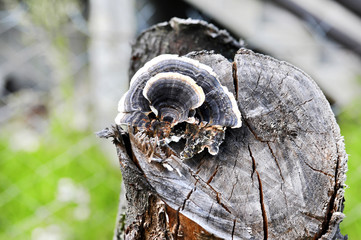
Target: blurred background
64, 66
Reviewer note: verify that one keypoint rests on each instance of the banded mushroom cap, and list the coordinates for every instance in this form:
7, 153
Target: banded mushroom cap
136, 119
219, 108
172, 95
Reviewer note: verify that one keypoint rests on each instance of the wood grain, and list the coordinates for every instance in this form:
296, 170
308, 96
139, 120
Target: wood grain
280, 176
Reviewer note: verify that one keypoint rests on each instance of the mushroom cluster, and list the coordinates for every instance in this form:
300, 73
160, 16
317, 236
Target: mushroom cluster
172, 98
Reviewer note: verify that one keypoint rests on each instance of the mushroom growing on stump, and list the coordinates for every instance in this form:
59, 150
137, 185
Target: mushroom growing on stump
170, 90
280, 176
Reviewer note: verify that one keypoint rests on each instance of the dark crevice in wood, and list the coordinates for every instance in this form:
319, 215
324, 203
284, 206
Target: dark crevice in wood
130, 151
209, 212
126, 141
120, 139
274, 157
284, 197
253, 167
252, 131
148, 212
119, 157
253, 162
317, 170
177, 225
230, 196
253, 92
307, 101
136, 163
235, 78
201, 162
235, 162
330, 209
234, 227
308, 214
190, 192
282, 79
222, 204
213, 175
257, 83
218, 199
300, 105
264, 214
263, 208
185, 200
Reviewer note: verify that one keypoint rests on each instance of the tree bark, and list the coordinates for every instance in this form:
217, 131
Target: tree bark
280, 176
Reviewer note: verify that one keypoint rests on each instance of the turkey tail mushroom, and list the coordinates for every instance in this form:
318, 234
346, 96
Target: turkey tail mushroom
169, 90
172, 96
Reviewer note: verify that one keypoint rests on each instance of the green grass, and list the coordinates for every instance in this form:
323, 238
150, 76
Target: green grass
65, 188
350, 124
59, 185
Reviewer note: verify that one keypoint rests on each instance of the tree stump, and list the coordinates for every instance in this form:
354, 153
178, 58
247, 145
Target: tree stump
280, 176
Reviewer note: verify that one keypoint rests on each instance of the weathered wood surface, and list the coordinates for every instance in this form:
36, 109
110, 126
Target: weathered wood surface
280, 176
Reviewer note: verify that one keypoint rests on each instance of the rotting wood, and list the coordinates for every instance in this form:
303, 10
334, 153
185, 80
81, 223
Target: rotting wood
280, 176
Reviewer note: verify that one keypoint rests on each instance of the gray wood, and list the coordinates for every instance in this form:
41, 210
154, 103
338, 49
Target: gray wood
280, 176
180, 36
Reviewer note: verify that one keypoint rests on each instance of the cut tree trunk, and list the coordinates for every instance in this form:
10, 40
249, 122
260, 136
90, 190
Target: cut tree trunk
280, 176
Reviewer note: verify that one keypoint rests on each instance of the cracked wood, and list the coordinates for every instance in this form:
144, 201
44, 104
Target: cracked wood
280, 176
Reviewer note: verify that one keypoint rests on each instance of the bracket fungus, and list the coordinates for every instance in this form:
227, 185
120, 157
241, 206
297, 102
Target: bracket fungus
172, 98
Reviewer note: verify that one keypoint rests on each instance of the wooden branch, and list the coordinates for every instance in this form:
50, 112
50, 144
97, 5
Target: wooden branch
330, 31
352, 5
280, 176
